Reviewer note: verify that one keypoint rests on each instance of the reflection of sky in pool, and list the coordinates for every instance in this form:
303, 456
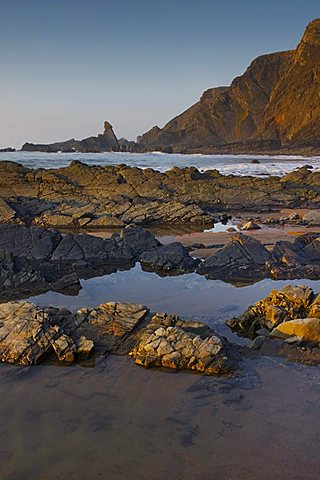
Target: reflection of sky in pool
187, 295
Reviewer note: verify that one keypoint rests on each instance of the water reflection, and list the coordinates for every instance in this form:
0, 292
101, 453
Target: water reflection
188, 295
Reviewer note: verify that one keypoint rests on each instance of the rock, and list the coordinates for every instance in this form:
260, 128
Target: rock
122, 212
250, 226
299, 296
257, 342
52, 220
314, 310
138, 239
300, 259
67, 282
84, 347
255, 161
64, 348
231, 230
46, 260
29, 243
169, 342
287, 315
103, 196
28, 334
102, 143
279, 306
263, 332
274, 315
294, 216
243, 257
303, 329
7, 214
313, 217
112, 323
7, 150
173, 257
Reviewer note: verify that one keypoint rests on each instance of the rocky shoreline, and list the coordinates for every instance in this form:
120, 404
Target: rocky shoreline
82, 197
42, 215
35, 260
286, 323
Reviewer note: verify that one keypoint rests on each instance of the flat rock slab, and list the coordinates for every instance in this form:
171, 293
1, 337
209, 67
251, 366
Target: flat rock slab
29, 334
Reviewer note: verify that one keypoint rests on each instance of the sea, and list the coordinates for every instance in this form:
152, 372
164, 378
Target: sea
277, 165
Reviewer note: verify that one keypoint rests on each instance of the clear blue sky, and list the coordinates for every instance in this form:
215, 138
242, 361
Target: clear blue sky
68, 65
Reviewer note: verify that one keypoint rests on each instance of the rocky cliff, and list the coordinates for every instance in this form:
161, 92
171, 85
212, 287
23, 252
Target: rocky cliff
274, 105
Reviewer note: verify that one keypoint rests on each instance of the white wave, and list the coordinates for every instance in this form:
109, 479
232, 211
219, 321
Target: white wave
241, 165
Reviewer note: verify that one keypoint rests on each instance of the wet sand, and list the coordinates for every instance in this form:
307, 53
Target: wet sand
119, 421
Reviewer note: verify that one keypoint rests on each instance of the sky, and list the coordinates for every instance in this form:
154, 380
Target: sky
68, 65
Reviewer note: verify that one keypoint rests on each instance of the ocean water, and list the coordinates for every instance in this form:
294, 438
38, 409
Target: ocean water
226, 164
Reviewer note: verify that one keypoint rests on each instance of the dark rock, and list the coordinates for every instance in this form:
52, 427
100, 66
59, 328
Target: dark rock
244, 257
138, 239
7, 150
102, 143
173, 257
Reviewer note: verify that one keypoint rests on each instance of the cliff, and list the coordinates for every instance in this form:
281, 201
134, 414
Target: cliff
274, 105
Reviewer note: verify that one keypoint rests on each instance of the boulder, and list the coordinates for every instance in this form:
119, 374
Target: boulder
279, 306
173, 257
312, 217
251, 225
300, 259
27, 334
138, 239
302, 329
8, 214
112, 323
170, 342
242, 258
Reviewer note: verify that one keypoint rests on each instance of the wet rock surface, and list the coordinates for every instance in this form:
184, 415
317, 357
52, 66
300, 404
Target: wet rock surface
29, 335
245, 258
242, 258
298, 259
33, 259
169, 258
288, 318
